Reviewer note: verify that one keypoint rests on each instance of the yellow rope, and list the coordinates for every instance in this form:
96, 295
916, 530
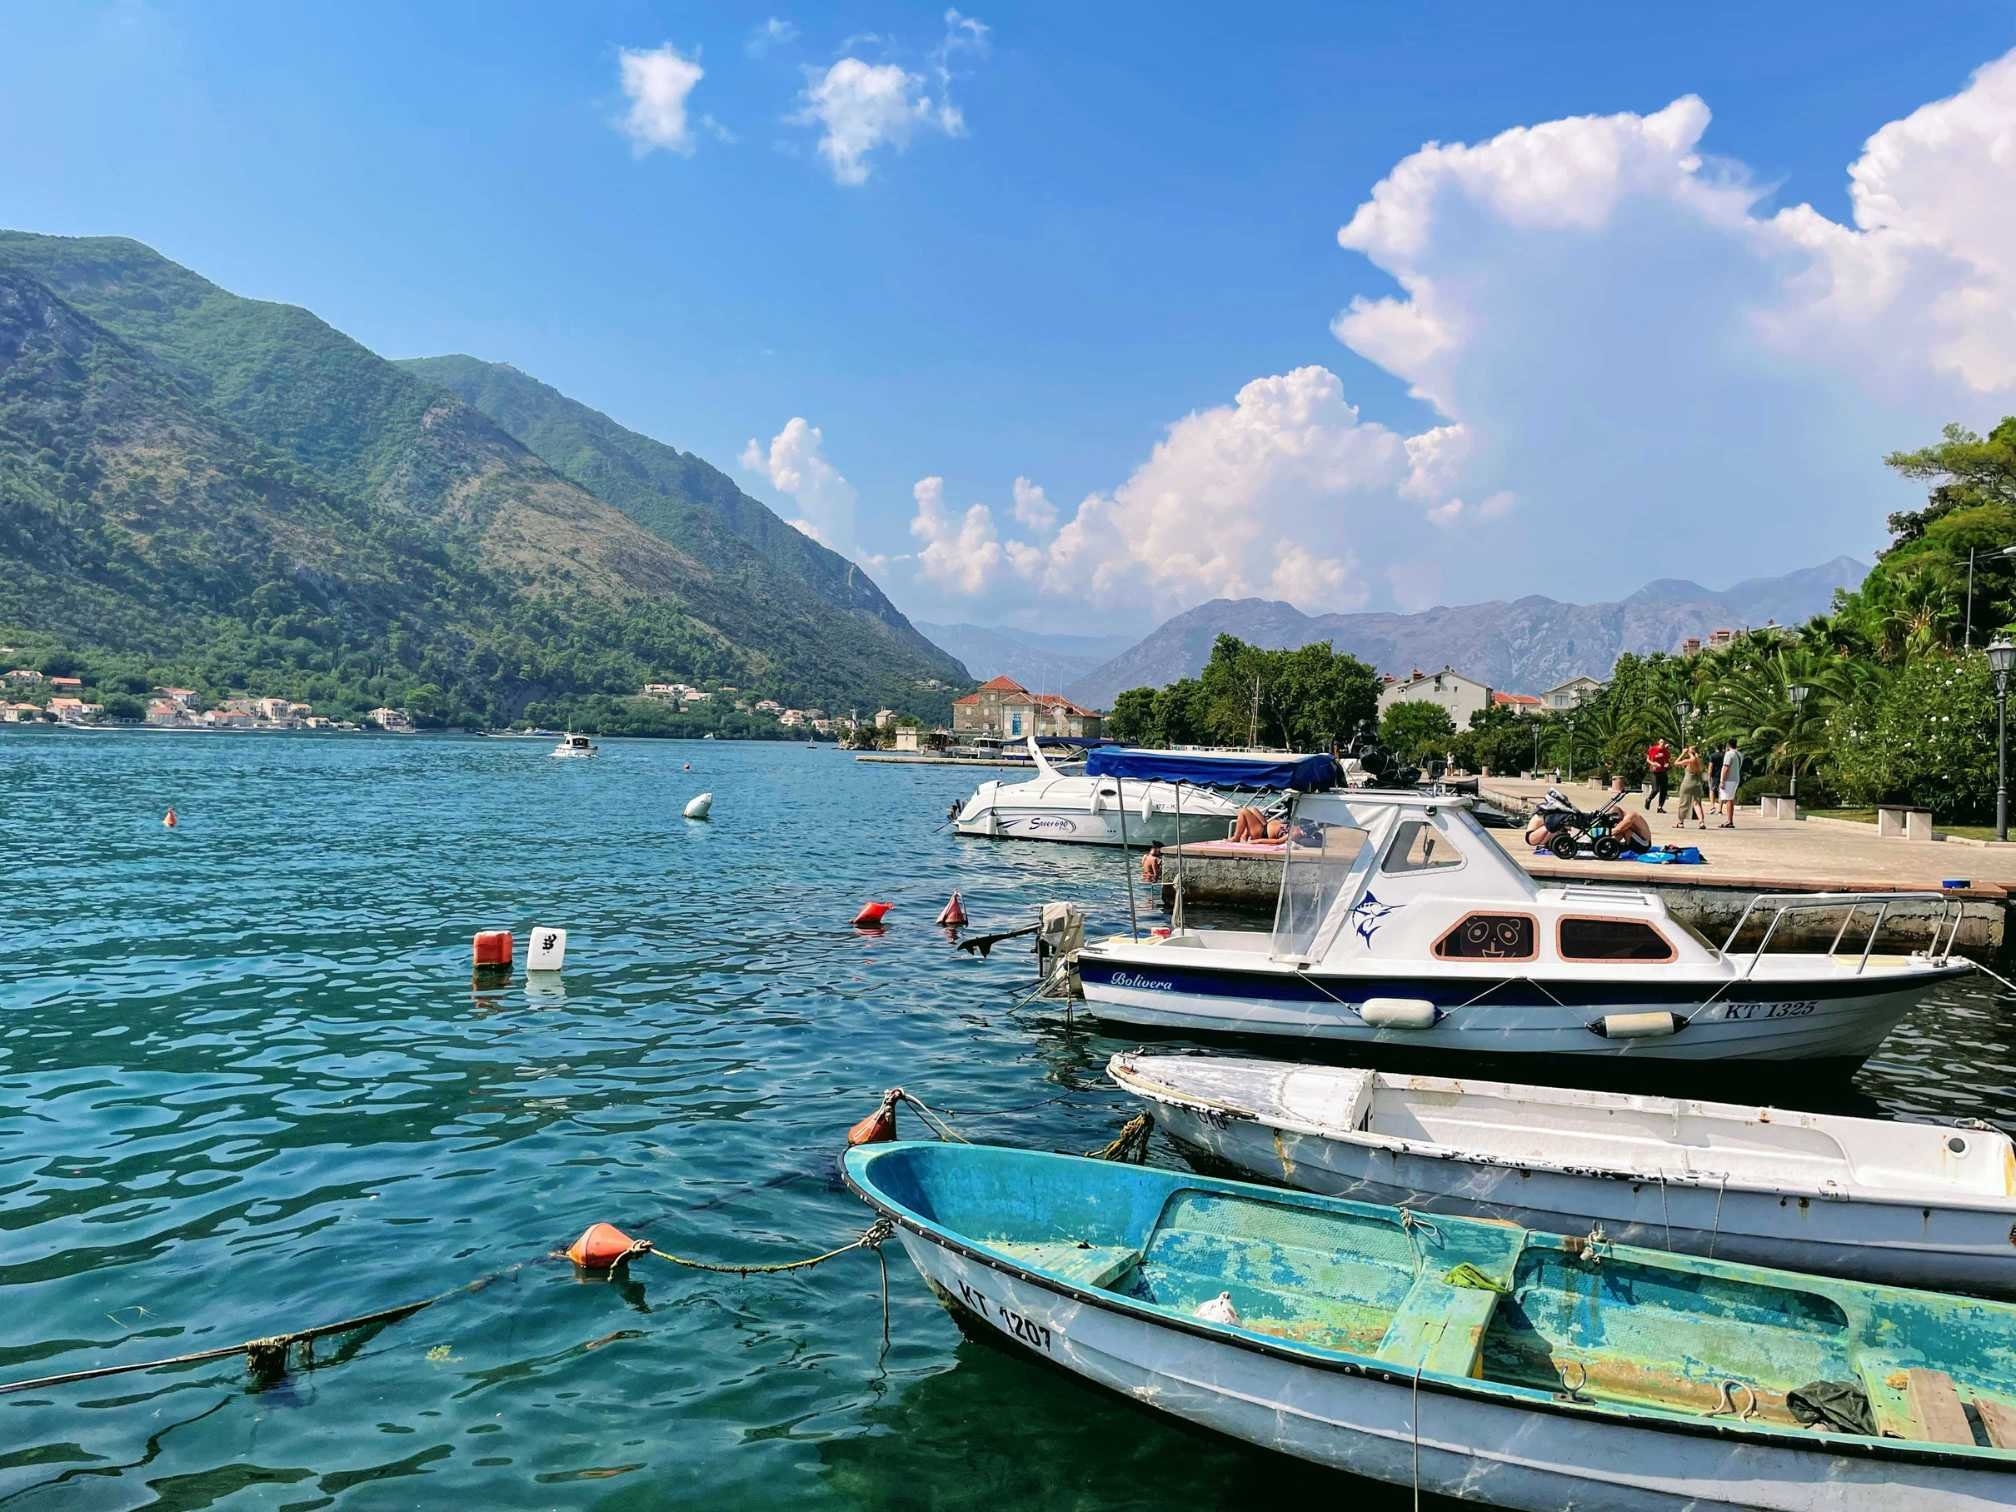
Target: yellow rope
871, 1237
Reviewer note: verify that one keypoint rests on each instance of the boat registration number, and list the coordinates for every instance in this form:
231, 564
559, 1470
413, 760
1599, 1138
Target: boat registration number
1010, 1322
1772, 1010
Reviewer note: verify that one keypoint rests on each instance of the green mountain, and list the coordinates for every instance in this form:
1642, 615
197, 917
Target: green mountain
189, 474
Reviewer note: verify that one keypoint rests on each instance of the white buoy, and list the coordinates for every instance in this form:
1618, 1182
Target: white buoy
697, 808
1399, 1013
547, 950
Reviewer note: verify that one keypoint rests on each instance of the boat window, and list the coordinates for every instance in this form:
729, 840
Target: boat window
1489, 937
1316, 872
1419, 846
1612, 940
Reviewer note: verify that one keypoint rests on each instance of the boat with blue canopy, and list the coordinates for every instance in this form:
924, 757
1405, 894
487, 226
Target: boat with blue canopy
1132, 797
1474, 1359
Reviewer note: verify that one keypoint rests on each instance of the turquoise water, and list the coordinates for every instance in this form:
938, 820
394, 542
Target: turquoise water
246, 1085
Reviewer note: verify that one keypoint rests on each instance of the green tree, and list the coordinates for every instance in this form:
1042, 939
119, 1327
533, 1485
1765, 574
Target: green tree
1416, 730
1132, 720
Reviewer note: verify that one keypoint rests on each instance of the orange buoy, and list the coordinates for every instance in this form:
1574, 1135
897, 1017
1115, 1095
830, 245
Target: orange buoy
603, 1246
492, 950
953, 916
871, 914
878, 1127
169, 819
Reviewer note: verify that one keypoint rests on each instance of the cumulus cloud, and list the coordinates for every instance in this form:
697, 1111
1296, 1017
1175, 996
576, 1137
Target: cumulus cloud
860, 107
657, 81
795, 463
1618, 328
1621, 343
1033, 507
960, 555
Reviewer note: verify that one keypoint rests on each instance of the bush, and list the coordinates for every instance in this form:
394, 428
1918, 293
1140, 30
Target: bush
1927, 739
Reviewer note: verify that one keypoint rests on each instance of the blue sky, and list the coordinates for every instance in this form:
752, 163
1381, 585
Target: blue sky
1106, 220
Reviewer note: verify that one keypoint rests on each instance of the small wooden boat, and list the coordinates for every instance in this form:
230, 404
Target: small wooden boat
1909, 1204
1473, 1359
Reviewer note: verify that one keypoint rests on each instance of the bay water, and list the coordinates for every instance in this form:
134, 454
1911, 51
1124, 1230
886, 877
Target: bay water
246, 1086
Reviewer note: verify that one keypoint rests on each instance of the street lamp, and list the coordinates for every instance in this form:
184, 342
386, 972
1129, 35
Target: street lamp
1967, 641
2001, 657
1797, 693
1683, 709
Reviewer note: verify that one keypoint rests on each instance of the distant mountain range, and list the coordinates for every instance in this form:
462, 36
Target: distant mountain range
1034, 659
232, 488
1525, 645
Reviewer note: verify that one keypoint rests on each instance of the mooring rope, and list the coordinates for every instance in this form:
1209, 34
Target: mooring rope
1130, 1145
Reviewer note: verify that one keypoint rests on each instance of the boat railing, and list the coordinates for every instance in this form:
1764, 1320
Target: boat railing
1781, 904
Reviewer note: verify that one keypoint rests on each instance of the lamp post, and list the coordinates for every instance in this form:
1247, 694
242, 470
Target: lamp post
1967, 641
2001, 657
1683, 709
1797, 693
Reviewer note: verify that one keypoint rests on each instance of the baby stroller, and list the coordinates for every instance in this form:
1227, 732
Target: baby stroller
1568, 827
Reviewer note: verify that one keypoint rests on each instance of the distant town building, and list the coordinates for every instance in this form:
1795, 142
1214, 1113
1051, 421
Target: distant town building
1720, 638
24, 675
67, 684
907, 738
20, 713
1564, 696
73, 710
790, 719
396, 720
1002, 709
769, 706
884, 718
1522, 704
1449, 690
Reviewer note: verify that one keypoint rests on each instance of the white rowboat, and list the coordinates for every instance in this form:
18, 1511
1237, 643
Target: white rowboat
1909, 1204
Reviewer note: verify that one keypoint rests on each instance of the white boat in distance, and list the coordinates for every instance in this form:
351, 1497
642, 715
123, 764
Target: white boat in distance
1401, 922
573, 746
1167, 796
1923, 1205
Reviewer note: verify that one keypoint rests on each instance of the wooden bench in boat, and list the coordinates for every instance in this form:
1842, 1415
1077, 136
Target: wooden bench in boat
1927, 1406
1440, 1327
1096, 1266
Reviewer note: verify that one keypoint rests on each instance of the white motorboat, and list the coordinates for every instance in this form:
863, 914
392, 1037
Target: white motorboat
1925, 1205
1400, 921
573, 746
1136, 798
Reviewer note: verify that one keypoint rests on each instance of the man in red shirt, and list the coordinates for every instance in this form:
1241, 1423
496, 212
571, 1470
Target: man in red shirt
1658, 757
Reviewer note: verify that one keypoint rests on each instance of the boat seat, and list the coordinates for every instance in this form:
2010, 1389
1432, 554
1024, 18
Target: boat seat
2000, 1421
1936, 1413
1440, 1327
1081, 1264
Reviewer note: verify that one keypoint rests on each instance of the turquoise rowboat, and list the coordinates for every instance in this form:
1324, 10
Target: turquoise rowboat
1472, 1358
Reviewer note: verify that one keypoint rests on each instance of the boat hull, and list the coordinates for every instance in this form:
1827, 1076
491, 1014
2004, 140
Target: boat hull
1011, 822
1366, 1424
1939, 1248
1836, 1019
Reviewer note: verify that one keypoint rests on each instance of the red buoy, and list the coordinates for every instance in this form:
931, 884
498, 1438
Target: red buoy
871, 914
601, 1246
878, 1127
492, 949
169, 819
953, 916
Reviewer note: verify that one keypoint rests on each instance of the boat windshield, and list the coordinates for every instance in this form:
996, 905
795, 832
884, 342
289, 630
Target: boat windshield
1315, 874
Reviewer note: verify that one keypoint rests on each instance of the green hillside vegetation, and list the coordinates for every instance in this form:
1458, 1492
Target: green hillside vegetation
229, 493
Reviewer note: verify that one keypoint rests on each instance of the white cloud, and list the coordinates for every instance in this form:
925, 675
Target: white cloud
774, 32
656, 82
795, 464
860, 107
959, 555
1617, 327
1033, 507
1629, 355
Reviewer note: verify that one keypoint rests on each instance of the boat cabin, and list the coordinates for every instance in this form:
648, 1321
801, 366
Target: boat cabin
1378, 877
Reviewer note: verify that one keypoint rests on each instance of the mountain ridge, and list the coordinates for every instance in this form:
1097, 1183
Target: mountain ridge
539, 587
1521, 645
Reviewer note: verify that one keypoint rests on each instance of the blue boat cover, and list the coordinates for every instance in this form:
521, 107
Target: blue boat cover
1308, 774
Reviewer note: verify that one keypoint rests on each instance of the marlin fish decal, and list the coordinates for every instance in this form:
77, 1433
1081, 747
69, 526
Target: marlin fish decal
1368, 913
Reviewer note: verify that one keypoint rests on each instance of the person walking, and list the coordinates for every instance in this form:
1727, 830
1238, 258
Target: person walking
1659, 763
1732, 781
1692, 788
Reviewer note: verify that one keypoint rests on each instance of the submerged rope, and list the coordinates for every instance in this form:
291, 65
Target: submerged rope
1130, 1145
